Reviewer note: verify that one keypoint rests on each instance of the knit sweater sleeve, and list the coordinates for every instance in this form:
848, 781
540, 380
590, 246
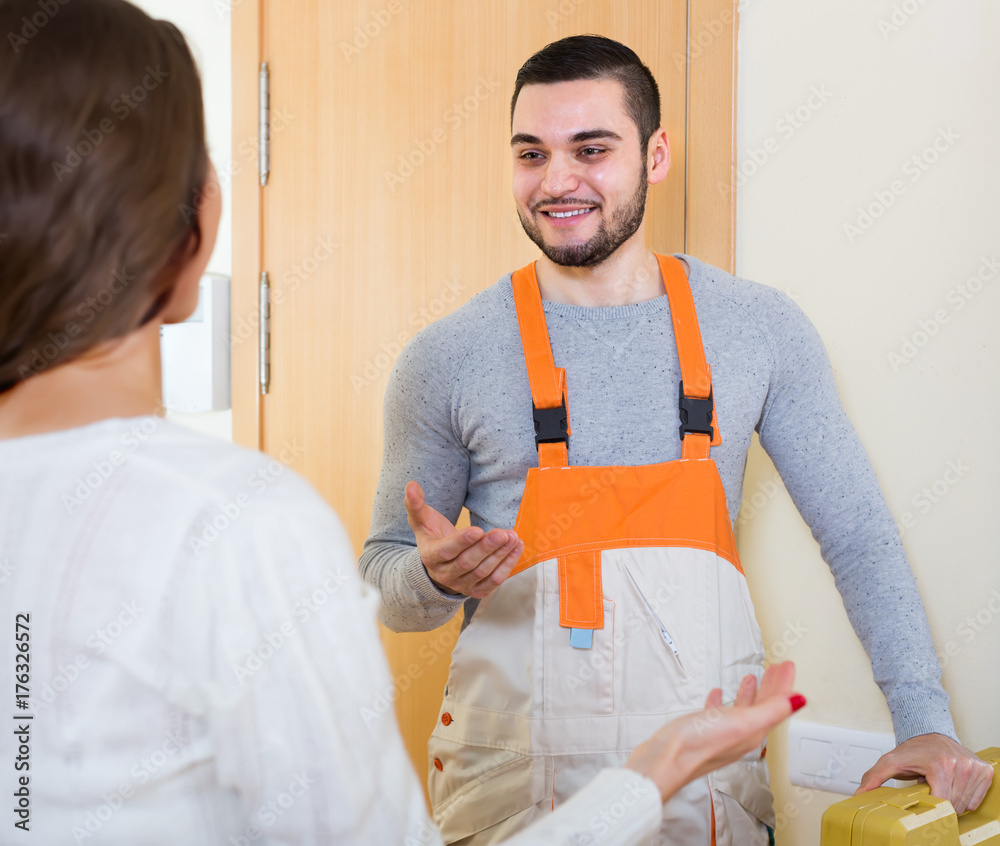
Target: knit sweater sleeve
420, 444
805, 430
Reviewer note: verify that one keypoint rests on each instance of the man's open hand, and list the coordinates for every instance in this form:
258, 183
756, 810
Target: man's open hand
469, 561
952, 771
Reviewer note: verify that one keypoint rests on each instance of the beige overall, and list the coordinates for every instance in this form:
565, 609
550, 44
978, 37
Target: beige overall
626, 608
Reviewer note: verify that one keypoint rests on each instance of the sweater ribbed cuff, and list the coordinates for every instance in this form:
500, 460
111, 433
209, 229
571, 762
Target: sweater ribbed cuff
921, 712
428, 594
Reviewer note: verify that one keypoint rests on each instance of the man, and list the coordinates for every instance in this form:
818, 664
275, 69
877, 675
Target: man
544, 688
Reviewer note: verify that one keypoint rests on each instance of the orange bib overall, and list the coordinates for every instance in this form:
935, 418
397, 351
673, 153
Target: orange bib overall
627, 606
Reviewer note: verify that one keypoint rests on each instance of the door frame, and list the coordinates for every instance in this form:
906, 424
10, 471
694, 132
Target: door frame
249, 49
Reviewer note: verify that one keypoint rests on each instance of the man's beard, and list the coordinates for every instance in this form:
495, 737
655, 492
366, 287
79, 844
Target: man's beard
610, 235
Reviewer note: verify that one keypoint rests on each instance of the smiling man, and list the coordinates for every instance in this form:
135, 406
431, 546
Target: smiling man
540, 184
593, 411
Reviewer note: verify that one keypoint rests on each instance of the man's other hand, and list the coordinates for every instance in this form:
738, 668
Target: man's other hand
952, 771
469, 562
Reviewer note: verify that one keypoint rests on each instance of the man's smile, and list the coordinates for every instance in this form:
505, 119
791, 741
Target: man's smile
563, 215
568, 213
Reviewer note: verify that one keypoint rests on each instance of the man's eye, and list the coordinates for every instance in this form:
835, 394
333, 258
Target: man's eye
530, 154
591, 151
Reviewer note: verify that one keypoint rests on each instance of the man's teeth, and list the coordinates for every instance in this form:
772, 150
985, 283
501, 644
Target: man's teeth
568, 214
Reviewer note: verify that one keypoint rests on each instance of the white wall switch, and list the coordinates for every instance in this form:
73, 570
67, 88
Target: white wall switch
833, 758
195, 354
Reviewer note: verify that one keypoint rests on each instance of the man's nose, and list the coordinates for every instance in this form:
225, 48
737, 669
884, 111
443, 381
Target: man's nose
560, 177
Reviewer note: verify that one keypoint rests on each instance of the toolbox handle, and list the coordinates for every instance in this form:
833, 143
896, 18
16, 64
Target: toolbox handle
910, 816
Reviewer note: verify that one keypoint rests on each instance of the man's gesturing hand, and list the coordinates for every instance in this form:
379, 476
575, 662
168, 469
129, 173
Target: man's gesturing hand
952, 771
469, 561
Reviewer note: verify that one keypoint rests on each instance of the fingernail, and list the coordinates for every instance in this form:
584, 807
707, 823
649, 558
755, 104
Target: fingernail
798, 701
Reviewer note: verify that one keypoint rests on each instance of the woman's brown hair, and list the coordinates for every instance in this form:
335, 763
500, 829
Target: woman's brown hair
102, 160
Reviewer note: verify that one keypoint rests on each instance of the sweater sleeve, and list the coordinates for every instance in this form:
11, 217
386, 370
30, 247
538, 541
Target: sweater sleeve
420, 444
805, 430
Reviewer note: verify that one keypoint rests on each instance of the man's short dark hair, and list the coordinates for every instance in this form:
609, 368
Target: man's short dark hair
596, 57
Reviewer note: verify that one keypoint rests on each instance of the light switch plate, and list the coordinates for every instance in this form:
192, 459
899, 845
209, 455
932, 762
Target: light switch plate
833, 758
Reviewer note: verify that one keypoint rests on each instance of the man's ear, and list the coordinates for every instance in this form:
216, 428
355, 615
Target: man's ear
658, 157
196, 253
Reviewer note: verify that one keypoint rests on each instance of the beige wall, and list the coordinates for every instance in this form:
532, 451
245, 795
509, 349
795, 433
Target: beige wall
912, 341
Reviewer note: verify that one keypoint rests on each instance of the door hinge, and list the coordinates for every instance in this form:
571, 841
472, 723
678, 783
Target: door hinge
264, 351
264, 139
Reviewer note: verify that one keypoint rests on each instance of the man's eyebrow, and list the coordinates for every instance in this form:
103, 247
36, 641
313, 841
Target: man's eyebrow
595, 134
584, 135
524, 138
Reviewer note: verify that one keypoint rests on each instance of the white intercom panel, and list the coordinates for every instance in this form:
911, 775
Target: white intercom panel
195, 353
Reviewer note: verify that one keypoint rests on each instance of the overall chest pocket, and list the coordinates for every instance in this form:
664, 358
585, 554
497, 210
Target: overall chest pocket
665, 630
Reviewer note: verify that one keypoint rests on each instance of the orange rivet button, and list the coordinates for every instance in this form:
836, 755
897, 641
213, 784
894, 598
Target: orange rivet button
446, 718
438, 765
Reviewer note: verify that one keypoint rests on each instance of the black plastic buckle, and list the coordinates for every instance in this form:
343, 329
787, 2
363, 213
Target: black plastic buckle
696, 414
550, 424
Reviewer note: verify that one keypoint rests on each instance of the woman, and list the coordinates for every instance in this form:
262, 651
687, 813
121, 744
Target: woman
194, 657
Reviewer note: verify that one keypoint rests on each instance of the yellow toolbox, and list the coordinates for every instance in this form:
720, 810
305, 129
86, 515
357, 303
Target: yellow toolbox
910, 816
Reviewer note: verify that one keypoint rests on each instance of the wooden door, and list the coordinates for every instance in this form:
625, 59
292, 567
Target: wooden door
388, 205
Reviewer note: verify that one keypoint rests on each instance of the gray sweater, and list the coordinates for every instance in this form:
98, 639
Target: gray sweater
458, 420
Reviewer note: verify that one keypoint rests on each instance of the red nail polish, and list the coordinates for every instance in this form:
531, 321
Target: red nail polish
798, 701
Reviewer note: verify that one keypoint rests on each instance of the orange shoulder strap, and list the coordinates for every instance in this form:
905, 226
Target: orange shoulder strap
548, 383
696, 376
